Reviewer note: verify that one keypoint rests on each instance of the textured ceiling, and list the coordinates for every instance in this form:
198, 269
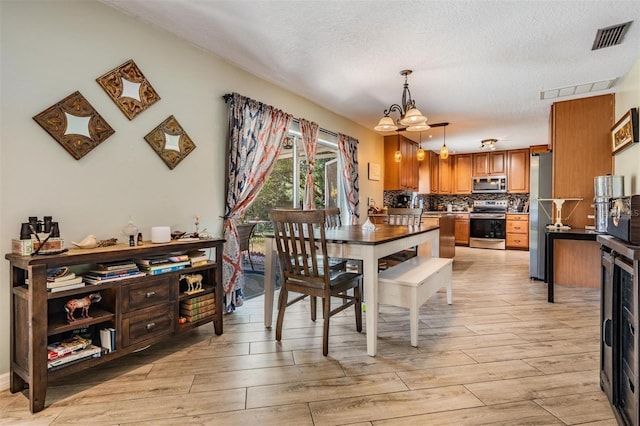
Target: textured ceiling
479, 65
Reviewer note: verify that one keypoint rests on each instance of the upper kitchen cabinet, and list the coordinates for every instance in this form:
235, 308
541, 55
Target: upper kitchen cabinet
445, 175
403, 175
580, 137
518, 171
490, 163
434, 172
462, 172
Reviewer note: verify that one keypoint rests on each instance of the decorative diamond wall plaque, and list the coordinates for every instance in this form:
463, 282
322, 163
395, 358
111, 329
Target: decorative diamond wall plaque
129, 89
75, 124
170, 142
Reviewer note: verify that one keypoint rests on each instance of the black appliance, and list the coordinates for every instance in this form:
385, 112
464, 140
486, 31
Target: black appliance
488, 223
403, 201
489, 184
620, 314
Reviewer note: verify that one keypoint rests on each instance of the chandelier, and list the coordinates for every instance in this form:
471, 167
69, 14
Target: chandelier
411, 119
489, 143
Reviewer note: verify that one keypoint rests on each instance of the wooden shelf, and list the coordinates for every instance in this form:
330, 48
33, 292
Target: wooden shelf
143, 310
60, 325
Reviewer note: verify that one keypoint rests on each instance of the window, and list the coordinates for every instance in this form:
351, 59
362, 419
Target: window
285, 185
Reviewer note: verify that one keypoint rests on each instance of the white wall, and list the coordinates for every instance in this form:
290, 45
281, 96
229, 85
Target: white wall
627, 162
51, 49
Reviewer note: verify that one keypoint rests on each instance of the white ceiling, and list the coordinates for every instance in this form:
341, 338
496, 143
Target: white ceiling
479, 65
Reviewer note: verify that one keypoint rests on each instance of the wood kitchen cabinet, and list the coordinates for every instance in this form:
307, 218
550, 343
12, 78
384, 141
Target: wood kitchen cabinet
517, 231
462, 229
403, 175
462, 172
581, 141
490, 163
445, 181
518, 171
434, 172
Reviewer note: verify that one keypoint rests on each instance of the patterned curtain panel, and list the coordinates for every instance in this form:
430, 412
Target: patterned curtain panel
309, 132
256, 134
348, 148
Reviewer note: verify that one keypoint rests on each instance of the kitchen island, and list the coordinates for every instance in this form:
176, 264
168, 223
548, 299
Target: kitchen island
446, 222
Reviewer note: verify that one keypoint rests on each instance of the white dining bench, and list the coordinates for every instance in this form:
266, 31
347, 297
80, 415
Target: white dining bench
411, 283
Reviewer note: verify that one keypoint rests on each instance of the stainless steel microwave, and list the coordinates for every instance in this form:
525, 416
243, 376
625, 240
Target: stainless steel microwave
488, 184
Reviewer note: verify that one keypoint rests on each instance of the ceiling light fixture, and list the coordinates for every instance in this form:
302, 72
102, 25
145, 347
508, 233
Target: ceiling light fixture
444, 151
411, 119
421, 154
397, 156
489, 143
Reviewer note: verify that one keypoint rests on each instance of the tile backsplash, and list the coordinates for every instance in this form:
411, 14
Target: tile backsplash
458, 202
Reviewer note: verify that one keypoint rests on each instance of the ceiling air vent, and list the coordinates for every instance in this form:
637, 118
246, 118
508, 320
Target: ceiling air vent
610, 36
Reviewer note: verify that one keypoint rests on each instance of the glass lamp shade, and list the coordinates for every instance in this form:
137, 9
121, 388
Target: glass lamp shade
397, 157
386, 124
418, 127
444, 152
413, 117
421, 154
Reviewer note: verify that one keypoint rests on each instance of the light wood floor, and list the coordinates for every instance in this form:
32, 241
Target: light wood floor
499, 355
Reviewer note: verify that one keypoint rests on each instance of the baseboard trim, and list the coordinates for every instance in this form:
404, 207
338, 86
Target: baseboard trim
4, 381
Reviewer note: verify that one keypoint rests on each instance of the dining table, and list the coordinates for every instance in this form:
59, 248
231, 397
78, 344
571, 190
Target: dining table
367, 245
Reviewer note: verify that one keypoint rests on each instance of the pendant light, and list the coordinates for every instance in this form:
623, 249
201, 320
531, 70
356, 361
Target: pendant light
444, 151
421, 154
397, 157
411, 119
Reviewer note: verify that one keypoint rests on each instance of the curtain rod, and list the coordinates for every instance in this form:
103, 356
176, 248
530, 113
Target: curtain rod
228, 96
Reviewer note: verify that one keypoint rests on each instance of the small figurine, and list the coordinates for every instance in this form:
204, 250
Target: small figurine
194, 283
83, 304
140, 241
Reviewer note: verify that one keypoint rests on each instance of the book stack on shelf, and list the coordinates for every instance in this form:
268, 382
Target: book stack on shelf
113, 271
108, 339
162, 265
70, 351
61, 279
198, 307
198, 258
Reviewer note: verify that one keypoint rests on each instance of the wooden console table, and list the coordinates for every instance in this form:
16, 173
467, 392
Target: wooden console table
142, 310
566, 234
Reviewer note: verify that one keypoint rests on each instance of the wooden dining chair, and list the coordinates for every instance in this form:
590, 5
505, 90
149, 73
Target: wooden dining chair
333, 220
302, 252
406, 217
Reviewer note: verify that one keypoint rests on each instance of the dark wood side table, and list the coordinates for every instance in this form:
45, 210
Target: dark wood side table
561, 234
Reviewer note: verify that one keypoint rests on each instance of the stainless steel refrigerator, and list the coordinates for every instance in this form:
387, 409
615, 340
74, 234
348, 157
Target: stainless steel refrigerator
540, 187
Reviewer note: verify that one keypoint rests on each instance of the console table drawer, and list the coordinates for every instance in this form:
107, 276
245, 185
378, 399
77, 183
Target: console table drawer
149, 293
147, 324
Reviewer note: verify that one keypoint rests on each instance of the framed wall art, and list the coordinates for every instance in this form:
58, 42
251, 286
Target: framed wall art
129, 89
75, 125
374, 171
625, 131
170, 142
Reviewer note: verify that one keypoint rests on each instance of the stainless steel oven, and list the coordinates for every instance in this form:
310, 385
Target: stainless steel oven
488, 223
